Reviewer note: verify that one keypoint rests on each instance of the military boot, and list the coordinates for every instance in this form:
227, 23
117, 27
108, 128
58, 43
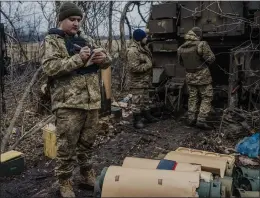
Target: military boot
147, 115
192, 119
137, 121
88, 179
202, 123
191, 122
66, 189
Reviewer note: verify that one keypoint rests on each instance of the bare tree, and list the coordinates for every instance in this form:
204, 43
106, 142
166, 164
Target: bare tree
57, 7
16, 34
49, 17
23, 20
17, 112
122, 25
110, 14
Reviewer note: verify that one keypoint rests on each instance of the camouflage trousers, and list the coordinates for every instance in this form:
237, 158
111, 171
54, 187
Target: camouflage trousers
199, 104
140, 100
76, 132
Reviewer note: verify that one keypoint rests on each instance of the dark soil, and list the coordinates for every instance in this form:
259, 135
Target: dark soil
157, 138
111, 149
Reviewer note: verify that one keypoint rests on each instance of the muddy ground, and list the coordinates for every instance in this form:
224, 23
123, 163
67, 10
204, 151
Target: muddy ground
111, 148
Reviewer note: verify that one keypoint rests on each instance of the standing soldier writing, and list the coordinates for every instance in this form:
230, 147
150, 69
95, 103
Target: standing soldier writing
75, 94
195, 55
139, 66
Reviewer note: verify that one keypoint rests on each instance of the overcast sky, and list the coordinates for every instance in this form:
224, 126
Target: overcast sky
24, 14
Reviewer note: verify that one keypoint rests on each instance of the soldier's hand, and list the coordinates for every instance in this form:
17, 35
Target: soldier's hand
99, 57
84, 53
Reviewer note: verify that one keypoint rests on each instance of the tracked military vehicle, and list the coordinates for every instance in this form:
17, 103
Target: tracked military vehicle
232, 30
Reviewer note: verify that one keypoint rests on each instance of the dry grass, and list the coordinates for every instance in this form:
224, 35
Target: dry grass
16, 55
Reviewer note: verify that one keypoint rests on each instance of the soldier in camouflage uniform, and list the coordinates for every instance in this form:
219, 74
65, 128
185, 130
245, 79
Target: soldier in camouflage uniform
139, 67
75, 95
195, 55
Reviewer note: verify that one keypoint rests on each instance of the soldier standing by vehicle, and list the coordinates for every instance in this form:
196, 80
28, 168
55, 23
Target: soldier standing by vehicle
139, 66
195, 55
75, 95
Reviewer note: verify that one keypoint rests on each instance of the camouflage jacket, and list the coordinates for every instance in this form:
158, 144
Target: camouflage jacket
67, 90
203, 76
139, 66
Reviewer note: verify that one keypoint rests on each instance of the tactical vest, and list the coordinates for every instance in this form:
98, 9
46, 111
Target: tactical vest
192, 61
72, 50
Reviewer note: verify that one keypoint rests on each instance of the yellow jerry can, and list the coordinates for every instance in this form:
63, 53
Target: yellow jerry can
50, 140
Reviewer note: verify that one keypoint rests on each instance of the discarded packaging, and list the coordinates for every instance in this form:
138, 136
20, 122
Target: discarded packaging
249, 146
247, 161
211, 164
127, 98
133, 162
120, 104
129, 182
123, 103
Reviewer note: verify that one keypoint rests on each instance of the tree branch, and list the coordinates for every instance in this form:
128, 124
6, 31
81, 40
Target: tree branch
33, 130
110, 14
18, 111
129, 27
11, 23
122, 28
141, 14
12, 37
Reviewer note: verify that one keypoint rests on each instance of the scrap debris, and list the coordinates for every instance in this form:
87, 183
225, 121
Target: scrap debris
247, 161
237, 123
125, 105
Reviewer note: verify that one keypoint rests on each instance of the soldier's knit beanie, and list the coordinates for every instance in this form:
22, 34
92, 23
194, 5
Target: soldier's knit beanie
197, 31
68, 9
139, 35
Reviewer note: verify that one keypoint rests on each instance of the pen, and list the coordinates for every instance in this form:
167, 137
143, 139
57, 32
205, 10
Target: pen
91, 51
